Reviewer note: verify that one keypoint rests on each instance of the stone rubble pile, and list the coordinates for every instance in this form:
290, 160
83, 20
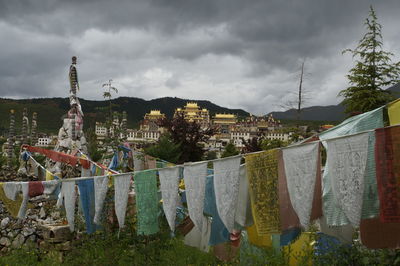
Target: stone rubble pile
14, 233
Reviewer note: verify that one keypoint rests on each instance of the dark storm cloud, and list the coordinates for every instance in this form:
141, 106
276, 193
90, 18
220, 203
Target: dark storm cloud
242, 54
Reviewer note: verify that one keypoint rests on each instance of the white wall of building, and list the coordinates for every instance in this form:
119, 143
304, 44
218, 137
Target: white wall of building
44, 142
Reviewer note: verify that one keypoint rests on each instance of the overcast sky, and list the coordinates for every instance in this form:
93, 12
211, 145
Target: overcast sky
238, 54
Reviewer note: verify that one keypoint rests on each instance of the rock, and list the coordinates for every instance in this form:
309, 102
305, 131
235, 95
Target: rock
18, 241
55, 215
42, 213
22, 171
48, 220
56, 233
5, 222
28, 231
33, 217
10, 235
4, 241
31, 239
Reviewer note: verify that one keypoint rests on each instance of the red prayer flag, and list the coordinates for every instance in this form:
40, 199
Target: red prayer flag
59, 156
387, 159
35, 188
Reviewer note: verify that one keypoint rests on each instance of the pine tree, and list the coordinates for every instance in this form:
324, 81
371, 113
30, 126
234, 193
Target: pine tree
165, 149
230, 150
372, 72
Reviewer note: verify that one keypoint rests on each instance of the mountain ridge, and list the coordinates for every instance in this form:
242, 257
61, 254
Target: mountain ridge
334, 113
51, 110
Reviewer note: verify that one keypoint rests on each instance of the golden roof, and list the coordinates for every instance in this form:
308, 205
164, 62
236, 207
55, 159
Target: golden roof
225, 116
192, 105
155, 112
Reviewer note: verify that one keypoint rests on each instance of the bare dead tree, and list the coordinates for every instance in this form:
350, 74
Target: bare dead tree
299, 98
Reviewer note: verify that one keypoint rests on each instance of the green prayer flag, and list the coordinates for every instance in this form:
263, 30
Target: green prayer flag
146, 202
366, 121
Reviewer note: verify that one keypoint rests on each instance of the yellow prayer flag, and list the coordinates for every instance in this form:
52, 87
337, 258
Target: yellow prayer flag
11, 205
49, 175
262, 173
394, 112
256, 239
300, 251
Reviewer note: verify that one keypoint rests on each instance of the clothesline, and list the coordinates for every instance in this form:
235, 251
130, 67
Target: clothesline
93, 162
208, 161
215, 160
333, 138
275, 195
37, 163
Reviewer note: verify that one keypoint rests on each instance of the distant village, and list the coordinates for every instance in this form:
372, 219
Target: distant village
229, 129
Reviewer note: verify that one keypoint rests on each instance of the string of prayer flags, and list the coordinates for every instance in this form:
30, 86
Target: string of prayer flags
199, 238
316, 211
219, 234
25, 198
243, 215
195, 181
86, 194
59, 156
288, 217
347, 163
288, 236
370, 207
146, 202
11, 189
169, 181
355, 124
121, 190
262, 173
36, 188
377, 235
138, 161
49, 175
301, 165
11, 192
149, 162
258, 240
226, 185
363, 122
100, 192
12, 205
387, 152
49, 187
68, 194
343, 233
394, 112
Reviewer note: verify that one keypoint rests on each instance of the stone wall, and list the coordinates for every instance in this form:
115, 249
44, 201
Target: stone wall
14, 233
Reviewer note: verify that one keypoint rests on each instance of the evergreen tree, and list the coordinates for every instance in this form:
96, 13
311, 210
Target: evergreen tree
230, 150
372, 72
165, 149
269, 144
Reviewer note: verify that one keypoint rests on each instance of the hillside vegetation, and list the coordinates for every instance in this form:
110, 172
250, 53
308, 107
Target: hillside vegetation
51, 110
